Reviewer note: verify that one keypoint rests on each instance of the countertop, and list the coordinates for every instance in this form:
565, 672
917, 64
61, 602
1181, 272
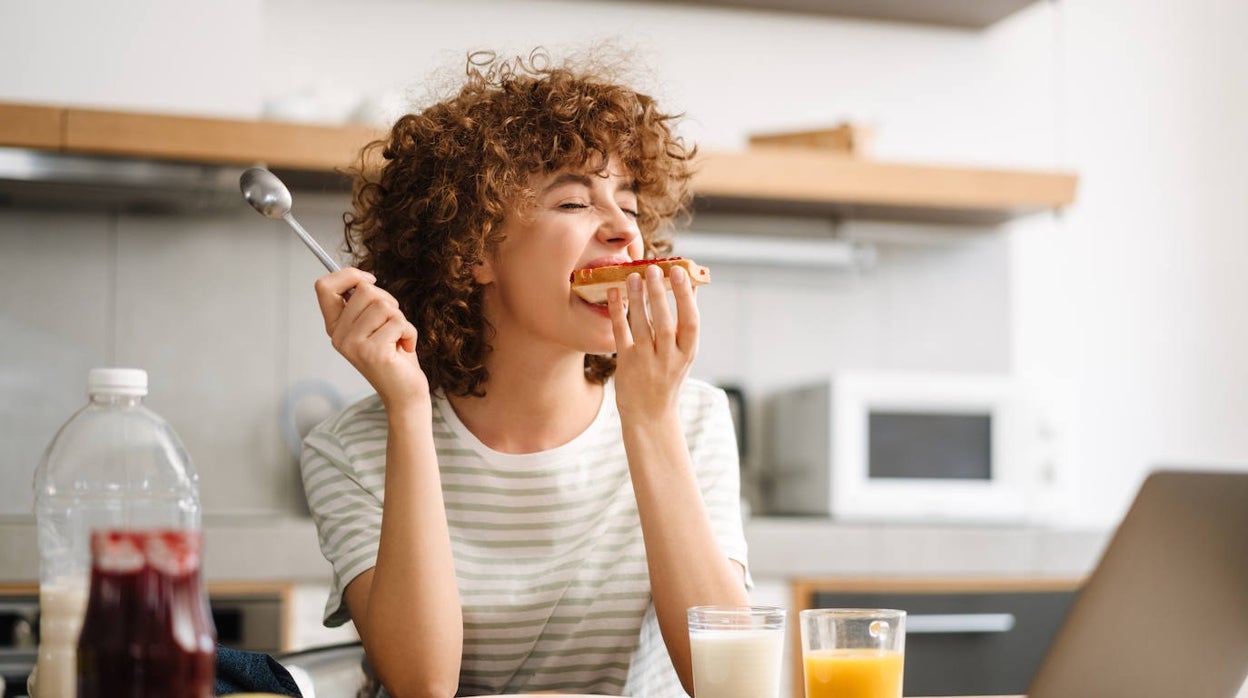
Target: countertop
286, 549
809, 547
235, 549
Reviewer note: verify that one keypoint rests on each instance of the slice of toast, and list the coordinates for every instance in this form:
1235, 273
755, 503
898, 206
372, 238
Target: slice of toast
592, 284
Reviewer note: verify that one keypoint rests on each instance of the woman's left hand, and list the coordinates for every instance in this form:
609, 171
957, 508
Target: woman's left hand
654, 348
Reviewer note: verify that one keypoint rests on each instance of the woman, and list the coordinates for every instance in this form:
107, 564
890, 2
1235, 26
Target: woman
536, 494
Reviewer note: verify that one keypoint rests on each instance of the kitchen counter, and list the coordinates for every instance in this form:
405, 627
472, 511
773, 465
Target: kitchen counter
235, 549
250, 553
286, 548
789, 547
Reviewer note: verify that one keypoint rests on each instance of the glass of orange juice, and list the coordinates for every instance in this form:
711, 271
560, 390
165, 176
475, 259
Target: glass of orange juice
853, 652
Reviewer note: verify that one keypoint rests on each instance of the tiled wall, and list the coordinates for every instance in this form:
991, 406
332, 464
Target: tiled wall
220, 310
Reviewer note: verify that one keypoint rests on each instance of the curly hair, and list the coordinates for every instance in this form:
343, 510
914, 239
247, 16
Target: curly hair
432, 206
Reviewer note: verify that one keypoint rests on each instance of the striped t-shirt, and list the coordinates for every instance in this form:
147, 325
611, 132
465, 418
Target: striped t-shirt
549, 557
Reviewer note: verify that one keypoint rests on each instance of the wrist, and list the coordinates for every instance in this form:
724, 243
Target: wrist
409, 410
651, 423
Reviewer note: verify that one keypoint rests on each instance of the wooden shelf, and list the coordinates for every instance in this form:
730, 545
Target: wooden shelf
31, 126
808, 182
277, 144
772, 180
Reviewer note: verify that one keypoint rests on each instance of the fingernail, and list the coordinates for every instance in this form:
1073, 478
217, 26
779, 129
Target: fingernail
654, 272
371, 278
677, 274
613, 295
634, 282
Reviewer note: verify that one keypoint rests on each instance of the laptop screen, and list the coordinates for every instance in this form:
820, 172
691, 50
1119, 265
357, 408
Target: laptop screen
1165, 612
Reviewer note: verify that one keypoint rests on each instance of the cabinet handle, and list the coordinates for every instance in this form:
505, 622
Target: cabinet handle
960, 623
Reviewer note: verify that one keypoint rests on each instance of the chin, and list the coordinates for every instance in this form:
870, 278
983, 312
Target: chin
602, 350
603, 346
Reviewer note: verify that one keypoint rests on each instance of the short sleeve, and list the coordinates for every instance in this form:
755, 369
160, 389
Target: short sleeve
343, 478
713, 450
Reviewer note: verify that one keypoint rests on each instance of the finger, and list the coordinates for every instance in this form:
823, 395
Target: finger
358, 320
638, 321
331, 288
619, 320
396, 332
661, 323
375, 317
365, 295
687, 321
407, 339
348, 315
368, 309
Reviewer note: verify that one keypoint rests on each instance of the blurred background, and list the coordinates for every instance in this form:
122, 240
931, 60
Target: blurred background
1122, 316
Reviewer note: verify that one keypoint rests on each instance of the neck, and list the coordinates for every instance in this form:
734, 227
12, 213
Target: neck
531, 405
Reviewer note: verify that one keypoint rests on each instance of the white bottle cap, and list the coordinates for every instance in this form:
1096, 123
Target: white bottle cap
117, 381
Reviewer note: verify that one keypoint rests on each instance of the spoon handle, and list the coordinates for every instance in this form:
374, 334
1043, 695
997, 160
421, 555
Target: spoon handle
317, 250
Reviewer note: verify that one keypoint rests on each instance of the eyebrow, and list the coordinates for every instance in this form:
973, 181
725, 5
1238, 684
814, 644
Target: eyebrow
583, 179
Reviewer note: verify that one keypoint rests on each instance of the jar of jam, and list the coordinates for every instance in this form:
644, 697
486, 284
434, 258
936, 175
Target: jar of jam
147, 632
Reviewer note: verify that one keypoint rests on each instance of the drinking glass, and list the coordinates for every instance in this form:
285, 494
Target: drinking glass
737, 651
853, 652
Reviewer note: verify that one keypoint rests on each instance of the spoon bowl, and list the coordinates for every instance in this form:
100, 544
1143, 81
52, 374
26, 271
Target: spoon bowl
265, 192
269, 195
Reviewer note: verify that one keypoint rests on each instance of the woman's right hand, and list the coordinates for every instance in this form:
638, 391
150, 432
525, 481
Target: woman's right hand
369, 329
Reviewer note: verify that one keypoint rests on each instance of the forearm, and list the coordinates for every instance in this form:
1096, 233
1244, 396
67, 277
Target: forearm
687, 566
413, 630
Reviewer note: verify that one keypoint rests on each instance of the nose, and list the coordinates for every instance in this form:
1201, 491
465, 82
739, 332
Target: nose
618, 227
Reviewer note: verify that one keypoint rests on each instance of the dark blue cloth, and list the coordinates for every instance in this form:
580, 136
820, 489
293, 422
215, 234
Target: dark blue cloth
239, 671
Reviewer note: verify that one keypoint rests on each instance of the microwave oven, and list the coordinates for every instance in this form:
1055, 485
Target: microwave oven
900, 446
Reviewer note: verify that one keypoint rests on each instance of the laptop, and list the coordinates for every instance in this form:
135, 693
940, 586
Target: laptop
1165, 612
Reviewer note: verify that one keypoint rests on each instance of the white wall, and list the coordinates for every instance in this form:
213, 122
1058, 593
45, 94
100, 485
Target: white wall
1132, 309
1126, 311
157, 55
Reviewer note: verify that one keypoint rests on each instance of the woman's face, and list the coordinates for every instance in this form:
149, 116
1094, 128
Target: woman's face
580, 219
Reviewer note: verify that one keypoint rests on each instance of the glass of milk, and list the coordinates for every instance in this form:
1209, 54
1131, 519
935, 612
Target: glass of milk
737, 650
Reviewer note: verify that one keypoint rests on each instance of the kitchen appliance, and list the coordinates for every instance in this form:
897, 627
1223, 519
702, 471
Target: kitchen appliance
898, 446
964, 636
19, 619
66, 181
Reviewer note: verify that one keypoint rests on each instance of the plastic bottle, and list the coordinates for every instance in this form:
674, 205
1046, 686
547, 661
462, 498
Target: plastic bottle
114, 464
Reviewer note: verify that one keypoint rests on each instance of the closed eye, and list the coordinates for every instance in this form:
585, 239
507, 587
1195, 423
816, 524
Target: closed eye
571, 206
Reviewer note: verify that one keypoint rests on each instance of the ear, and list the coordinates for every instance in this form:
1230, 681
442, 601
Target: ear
483, 272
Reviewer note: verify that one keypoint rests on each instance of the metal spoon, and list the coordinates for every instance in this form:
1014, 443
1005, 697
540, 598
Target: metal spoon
268, 195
